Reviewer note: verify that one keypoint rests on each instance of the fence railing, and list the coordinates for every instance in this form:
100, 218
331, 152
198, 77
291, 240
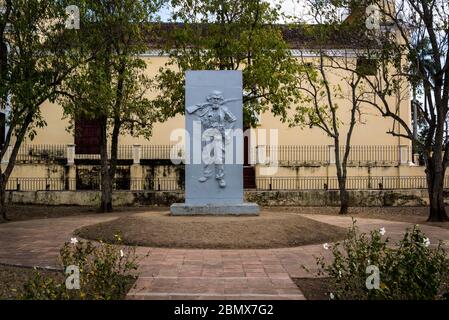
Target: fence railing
40, 184
124, 152
162, 152
352, 183
391, 154
283, 154
262, 183
33, 153
293, 153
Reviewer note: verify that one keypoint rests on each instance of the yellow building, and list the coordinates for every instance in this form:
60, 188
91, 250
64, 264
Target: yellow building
304, 157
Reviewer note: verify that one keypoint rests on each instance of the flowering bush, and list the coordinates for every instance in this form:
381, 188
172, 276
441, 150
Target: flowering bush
410, 270
105, 272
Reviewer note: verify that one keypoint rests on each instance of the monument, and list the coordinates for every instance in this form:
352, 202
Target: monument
214, 145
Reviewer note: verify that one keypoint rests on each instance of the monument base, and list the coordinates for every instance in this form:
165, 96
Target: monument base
244, 209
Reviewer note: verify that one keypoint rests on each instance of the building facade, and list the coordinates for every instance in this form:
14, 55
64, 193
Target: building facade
277, 156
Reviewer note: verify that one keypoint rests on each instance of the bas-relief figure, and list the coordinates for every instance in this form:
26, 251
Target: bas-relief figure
214, 185
215, 117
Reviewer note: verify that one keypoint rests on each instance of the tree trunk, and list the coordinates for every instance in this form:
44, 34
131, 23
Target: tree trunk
106, 181
344, 196
435, 180
4, 175
106, 194
341, 177
3, 199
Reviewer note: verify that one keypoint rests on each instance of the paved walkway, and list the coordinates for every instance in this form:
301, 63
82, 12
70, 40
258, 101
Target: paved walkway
193, 273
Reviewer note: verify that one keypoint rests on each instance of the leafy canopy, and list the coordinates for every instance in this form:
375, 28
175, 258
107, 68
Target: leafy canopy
227, 35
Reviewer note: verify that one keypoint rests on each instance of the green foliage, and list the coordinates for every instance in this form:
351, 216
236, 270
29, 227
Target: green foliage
411, 270
38, 60
106, 272
111, 83
35, 57
228, 35
43, 288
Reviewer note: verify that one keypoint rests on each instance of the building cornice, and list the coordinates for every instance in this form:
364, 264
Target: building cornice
307, 53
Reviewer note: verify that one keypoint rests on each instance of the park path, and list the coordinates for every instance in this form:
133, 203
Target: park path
193, 273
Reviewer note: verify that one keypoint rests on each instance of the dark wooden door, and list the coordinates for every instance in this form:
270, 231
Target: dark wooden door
249, 177
249, 171
87, 136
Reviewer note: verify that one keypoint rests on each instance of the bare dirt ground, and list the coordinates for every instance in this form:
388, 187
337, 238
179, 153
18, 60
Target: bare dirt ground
314, 288
416, 215
269, 230
276, 227
29, 212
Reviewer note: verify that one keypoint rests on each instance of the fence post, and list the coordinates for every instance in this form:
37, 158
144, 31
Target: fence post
137, 153
403, 155
136, 177
331, 154
70, 154
5, 159
261, 154
136, 170
71, 168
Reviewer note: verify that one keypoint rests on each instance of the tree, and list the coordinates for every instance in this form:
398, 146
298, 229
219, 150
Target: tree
409, 44
323, 105
112, 87
34, 62
413, 43
227, 35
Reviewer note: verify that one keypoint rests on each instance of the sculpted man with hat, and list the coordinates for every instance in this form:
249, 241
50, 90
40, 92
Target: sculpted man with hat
216, 121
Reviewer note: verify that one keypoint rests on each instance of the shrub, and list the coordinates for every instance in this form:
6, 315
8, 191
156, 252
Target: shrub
42, 287
105, 272
411, 270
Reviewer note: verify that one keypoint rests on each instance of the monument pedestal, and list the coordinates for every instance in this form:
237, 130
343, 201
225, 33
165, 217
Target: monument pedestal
243, 209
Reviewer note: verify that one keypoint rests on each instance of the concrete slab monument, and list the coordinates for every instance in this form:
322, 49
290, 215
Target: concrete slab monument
214, 145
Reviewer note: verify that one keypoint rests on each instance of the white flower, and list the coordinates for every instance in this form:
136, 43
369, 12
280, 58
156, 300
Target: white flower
331, 295
326, 246
122, 254
382, 231
339, 273
73, 240
426, 242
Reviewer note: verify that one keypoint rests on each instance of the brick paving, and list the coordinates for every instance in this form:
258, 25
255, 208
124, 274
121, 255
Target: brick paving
193, 273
